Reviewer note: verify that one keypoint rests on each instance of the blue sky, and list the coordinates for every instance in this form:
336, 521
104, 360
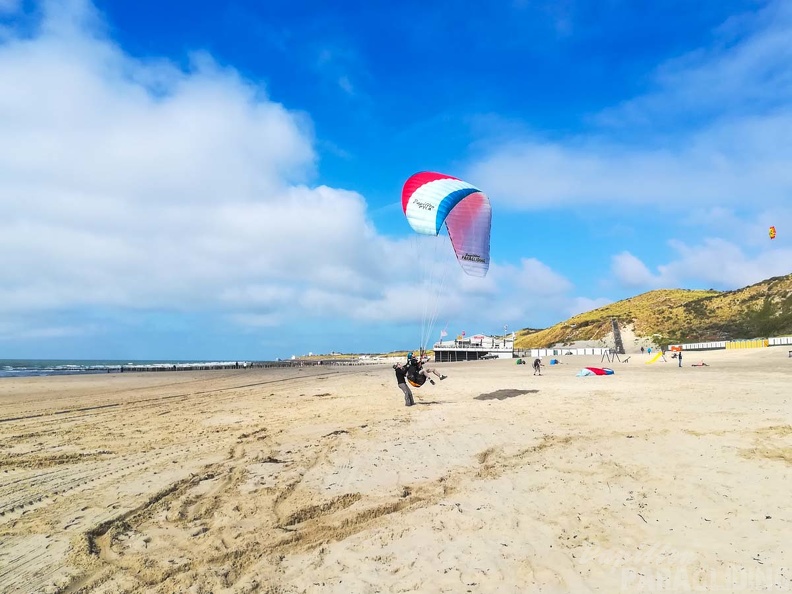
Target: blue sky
222, 180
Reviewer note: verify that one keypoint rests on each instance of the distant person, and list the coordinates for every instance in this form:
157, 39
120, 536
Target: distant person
401, 374
642, 350
537, 366
680, 358
649, 350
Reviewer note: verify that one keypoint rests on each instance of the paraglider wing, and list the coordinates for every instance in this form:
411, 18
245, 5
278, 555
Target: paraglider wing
431, 199
598, 370
772, 232
469, 228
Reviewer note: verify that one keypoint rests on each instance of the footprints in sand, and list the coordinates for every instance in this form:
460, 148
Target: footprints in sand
170, 504
772, 443
27, 488
317, 511
27, 460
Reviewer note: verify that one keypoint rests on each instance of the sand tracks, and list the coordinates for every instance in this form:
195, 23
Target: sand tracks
234, 523
91, 484
265, 484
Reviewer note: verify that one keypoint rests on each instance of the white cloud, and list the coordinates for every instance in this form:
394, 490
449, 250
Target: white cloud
34, 330
713, 263
530, 294
745, 69
337, 62
135, 184
631, 272
536, 278
713, 132
749, 230
346, 85
583, 304
724, 164
132, 184
255, 321
719, 263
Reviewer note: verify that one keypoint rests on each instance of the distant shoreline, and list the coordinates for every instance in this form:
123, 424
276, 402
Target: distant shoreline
10, 368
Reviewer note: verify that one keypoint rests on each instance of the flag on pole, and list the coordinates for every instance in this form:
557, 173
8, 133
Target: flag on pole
463, 332
443, 333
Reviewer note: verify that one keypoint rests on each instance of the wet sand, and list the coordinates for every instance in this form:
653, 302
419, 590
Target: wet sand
320, 480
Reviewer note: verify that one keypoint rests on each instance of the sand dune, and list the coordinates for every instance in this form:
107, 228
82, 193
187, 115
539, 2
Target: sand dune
320, 480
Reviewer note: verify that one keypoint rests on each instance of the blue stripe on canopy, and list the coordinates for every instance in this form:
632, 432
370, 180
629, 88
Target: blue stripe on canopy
449, 202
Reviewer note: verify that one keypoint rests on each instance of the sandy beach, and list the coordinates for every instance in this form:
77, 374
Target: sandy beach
320, 480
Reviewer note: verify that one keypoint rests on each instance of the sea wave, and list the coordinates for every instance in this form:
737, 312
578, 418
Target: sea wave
36, 368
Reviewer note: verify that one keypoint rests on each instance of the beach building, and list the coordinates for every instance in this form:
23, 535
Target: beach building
737, 343
558, 351
473, 348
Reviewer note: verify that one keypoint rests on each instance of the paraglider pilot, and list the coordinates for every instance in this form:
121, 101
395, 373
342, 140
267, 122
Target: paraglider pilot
417, 374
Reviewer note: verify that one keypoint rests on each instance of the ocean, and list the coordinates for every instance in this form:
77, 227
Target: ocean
39, 367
